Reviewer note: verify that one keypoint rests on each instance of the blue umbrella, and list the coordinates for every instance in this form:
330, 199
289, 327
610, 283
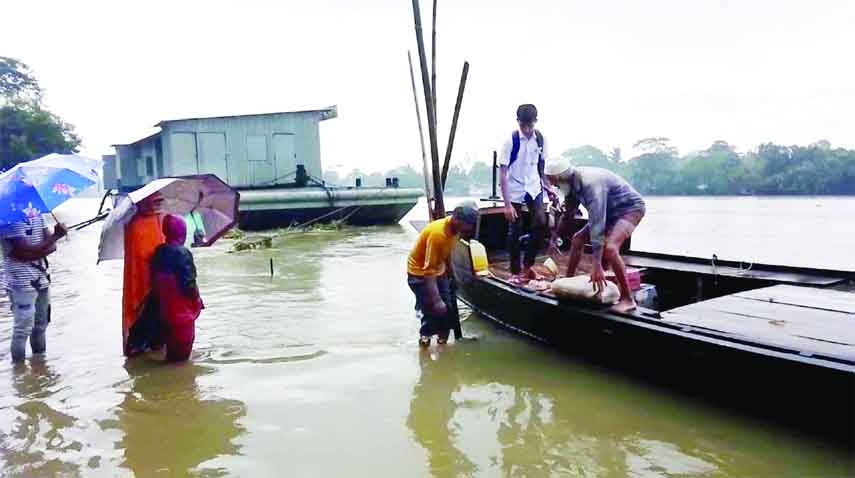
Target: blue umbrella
40, 186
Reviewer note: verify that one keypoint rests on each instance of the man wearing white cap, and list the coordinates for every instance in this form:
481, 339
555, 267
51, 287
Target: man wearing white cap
614, 208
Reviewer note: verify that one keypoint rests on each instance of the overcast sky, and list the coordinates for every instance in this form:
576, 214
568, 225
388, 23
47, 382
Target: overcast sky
604, 72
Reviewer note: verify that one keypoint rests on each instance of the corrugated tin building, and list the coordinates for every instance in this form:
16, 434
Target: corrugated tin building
248, 150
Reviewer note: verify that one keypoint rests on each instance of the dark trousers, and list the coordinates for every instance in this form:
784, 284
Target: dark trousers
535, 227
431, 324
147, 332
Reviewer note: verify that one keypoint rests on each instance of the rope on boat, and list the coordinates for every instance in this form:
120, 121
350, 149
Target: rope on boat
357, 208
324, 216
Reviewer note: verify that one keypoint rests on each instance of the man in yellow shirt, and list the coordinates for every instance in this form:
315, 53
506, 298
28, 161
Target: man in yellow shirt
426, 270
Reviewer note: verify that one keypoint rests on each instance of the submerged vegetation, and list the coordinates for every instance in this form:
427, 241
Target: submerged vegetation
250, 243
244, 242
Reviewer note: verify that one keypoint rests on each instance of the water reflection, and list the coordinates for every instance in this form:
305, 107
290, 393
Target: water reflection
479, 410
239, 286
473, 422
170, 424
324, 356
431, 412
38, 441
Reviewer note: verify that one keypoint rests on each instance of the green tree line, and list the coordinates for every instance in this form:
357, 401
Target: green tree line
770, 169
27, 129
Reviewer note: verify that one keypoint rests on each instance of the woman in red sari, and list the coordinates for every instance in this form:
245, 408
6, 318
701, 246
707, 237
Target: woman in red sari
173, 278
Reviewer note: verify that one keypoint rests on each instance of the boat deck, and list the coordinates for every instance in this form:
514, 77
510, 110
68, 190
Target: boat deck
500, 268
812, 321
500, 264
650, 261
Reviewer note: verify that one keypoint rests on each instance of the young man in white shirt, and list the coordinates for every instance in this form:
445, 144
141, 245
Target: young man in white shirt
523, 183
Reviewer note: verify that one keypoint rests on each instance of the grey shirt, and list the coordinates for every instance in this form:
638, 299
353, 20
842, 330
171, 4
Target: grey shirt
605, 195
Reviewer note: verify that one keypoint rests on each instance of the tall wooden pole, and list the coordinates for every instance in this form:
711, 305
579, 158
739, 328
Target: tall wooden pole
433, 64
453, 130
439, 204
425, 171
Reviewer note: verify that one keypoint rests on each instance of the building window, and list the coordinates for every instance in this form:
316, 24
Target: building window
149, 166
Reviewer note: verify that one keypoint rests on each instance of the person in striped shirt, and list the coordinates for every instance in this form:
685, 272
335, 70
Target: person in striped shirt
26, 245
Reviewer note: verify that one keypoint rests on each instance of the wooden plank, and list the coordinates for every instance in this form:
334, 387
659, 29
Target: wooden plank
835, 300
754, 331
777, 311
798, 328
734, 312
726, 271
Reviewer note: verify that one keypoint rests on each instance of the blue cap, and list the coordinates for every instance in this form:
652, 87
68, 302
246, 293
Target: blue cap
466, 212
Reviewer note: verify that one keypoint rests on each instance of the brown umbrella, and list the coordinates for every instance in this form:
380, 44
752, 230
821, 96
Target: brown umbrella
206, 199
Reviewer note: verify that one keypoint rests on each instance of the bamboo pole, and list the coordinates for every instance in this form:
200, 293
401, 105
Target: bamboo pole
494, 196
433, 65
439, 204
453, 130
425, 172
458, 331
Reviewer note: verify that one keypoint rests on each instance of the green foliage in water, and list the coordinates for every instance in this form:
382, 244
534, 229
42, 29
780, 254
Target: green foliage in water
234, 234
327, 226
251, 243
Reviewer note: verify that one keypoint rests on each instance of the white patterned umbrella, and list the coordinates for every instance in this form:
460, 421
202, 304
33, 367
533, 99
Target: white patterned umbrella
206, 196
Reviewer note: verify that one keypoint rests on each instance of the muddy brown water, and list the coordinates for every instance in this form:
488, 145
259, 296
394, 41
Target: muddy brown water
315, 372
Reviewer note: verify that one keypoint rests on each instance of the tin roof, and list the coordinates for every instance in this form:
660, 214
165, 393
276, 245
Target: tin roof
326, 113
142, 140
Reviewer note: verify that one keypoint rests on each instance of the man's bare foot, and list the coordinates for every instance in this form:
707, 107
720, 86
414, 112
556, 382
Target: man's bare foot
625, 306
537, 286
532, 274
518, 279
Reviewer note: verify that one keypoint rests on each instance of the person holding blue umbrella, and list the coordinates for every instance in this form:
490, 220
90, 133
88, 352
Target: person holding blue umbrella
26, 244
28, 191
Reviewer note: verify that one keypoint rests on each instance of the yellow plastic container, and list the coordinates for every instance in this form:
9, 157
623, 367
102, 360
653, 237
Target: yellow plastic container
480, 264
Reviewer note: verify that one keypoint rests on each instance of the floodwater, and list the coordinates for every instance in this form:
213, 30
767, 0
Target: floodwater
315, 371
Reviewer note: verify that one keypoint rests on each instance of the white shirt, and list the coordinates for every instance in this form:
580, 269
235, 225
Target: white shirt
523, 176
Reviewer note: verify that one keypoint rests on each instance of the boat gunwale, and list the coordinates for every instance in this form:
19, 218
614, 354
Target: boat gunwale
718, 338
841, 274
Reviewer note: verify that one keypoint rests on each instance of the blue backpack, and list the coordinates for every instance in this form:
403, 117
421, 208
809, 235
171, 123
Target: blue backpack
515, 149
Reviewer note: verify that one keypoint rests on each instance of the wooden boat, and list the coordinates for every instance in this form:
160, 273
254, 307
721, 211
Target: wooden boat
775, 341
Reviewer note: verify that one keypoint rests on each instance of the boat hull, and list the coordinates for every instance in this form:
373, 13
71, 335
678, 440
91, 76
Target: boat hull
365, 216
812, 395
281, 207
